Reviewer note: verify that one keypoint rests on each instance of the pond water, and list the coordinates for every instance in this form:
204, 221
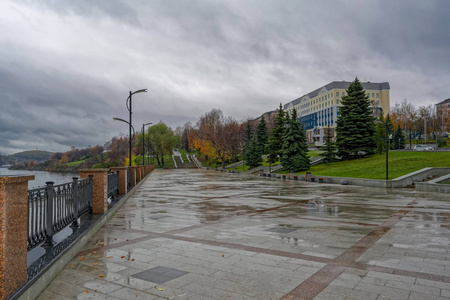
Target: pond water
41, 176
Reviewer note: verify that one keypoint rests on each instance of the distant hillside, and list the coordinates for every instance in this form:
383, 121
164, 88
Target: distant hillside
26, 156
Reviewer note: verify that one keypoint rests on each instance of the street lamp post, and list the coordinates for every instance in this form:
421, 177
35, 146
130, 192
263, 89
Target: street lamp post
387, 146
143, 142
130, 137
130, 113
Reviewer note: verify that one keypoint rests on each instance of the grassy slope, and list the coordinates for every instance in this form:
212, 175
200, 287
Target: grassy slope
400, 163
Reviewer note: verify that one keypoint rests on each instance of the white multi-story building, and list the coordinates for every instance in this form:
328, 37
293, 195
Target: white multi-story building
320, 108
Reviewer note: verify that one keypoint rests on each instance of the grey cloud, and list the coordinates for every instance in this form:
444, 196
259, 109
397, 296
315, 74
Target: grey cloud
69, 69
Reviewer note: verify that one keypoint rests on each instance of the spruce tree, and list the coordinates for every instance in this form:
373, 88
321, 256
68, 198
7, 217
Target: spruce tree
355, 130
380, 135
330, 149
399, 139
294, 151
261, 135
248, 134
253, 153
276, 137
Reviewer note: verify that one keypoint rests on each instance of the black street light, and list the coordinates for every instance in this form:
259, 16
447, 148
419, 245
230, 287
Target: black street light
143, 141
131, 126
387, 146
129, 109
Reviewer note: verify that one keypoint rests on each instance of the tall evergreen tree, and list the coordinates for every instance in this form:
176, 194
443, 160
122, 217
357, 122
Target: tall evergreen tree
261, 135
380, 135
294, 152
355, 130
253, 153
330, 149
276, 137
399, 139
248, 134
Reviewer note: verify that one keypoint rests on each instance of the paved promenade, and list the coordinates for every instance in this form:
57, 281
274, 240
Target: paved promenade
210, 235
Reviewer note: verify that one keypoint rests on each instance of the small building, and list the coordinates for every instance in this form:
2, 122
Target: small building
443, 115
320, 108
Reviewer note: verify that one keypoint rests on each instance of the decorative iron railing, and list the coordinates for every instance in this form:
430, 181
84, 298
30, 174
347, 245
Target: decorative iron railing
54, 207
113, 184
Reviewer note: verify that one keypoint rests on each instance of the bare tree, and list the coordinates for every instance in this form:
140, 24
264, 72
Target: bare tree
220, 132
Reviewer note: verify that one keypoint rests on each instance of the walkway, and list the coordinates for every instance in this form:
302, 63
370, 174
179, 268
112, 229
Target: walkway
213, 235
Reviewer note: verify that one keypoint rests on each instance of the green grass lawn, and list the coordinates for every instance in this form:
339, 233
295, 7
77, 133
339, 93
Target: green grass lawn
76, 163
374, 167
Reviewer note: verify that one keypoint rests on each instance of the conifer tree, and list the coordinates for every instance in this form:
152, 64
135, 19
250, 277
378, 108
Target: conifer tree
248, 134
330, 149
261, 135
253, 153
380, 135
294, 151
399, 139
355, 130
276, 137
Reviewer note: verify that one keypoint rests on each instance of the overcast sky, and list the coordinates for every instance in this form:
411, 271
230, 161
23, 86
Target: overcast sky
66, 67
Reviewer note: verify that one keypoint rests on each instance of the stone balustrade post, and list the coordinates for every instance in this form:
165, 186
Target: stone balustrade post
13, 233
99, 188
138, 173
122, 179
148, 169
132, 175
142, 172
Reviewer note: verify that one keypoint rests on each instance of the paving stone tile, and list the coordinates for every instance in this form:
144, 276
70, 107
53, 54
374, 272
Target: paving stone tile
63, 288
159, 274
414, 288
445, 293
420, 296
350, 293
129, 293
393, 293
432, 283
101, 286
48, 295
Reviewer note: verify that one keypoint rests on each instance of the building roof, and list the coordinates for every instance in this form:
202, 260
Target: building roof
341, 85
444, 102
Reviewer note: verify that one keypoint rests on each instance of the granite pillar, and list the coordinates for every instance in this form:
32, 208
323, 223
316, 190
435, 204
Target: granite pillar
122, 179
13, 233
132, 175
99, 189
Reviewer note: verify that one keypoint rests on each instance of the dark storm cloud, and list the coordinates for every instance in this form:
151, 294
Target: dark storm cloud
66, 67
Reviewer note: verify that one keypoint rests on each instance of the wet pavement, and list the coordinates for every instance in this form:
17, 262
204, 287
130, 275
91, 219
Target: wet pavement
210, 235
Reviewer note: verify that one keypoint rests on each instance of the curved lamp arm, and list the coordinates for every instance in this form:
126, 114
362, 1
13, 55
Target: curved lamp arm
132, 93
122, 120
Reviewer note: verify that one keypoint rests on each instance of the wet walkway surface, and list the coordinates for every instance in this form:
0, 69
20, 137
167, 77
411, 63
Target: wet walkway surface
210, 235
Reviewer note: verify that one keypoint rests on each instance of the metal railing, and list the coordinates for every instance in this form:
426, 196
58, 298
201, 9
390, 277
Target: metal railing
54, 207
113, 184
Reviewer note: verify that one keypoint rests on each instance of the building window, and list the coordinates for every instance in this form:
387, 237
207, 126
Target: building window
373, 95
378, 102
378, 95
368, 95
337, 101
343, 94
337, 94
